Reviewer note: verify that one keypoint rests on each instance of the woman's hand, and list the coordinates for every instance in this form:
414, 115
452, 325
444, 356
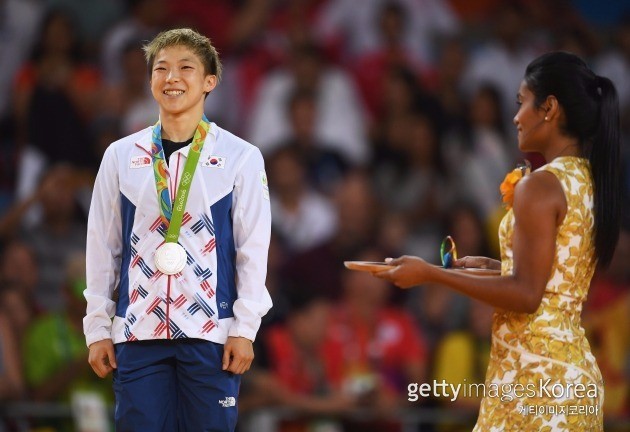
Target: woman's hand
478, 262
408, 271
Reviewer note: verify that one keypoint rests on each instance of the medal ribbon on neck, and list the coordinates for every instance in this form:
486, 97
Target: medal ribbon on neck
172, 214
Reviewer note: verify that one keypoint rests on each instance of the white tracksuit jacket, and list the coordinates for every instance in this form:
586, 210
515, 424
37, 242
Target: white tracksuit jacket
226, 228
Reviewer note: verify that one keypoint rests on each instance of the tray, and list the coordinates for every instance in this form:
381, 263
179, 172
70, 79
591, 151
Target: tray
367, 266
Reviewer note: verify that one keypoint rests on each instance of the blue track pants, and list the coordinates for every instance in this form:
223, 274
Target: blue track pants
174, 385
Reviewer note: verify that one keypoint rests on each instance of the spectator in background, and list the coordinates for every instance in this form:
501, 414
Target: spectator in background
607, 321
478, 155
57, 95
615, 63
17, 308
417, 182
55, 355
381, 348
354, 29
106, 130
18, 278
19, 267
399, 97
129, 100
579, 40
18, 281
60, 232
357, 220
370, 69
447, 83
19, 24
219, 19
403, 94
325, 166
93, 18
301, 367
461, 356
339, 119
144, 20
302, 217
278, 255
239, 30
503, 57
473, 13
16, 314
11, 381
9, 156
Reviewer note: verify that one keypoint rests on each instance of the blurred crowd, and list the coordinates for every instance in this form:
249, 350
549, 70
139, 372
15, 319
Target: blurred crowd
385, 125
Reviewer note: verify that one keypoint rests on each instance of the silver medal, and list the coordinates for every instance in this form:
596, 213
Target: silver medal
170, 258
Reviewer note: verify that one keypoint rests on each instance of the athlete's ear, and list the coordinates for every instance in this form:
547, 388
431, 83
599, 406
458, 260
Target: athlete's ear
210, 83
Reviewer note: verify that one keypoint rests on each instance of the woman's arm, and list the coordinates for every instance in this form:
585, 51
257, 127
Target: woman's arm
478, 262
539, 207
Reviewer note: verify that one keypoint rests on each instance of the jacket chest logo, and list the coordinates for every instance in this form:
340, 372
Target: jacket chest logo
140, 162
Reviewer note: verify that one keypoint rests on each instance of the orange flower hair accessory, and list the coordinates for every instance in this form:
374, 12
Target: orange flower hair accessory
513, 177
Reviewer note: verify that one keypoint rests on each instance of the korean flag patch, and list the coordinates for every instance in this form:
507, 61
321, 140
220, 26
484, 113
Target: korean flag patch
215, 162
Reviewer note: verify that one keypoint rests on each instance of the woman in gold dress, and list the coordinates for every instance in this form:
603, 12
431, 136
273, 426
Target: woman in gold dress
563, 221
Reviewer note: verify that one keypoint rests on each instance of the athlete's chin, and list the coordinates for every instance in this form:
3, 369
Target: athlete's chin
173, 110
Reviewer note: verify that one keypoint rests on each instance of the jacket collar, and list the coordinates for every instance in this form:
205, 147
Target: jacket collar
145, 142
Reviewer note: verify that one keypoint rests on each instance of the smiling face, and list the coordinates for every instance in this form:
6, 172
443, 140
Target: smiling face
179, 81
530, 121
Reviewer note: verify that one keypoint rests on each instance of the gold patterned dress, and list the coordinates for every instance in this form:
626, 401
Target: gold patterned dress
542, 375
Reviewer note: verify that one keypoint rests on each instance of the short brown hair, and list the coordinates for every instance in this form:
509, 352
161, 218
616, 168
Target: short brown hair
198, 43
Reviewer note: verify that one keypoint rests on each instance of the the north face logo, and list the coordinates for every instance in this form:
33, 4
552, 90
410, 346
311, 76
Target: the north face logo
228, 402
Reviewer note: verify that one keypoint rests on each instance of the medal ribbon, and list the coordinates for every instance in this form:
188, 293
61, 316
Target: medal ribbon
172, 214
448, 256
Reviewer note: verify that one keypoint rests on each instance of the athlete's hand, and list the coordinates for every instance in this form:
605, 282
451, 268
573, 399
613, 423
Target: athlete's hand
102, 358
238, 353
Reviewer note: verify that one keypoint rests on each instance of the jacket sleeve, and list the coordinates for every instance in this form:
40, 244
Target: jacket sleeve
252, 232
104, 246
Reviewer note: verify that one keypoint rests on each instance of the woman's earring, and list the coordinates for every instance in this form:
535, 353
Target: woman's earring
546, 118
